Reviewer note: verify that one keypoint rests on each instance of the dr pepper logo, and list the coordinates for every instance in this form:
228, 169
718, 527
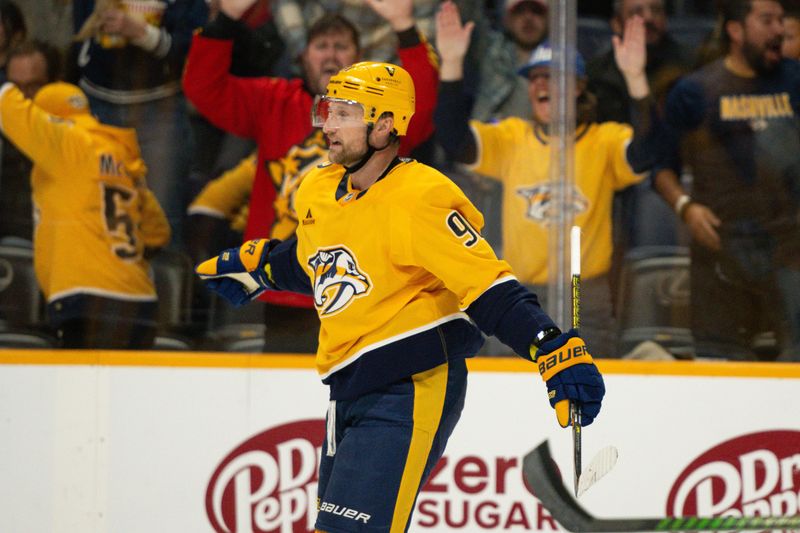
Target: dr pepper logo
752, 475
269, 482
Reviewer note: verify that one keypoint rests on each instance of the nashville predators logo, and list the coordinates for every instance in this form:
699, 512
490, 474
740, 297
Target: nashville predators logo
337, 280
540, 205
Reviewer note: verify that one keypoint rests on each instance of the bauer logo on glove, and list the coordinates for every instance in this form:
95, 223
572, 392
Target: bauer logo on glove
572, 353
239, 274
571, 376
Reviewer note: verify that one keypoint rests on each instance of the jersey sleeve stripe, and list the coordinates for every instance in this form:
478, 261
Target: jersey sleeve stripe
203, 210
104, 294
498, 281
3, 90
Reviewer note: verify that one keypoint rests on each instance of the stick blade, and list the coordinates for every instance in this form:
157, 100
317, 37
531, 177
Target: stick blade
543, 478
601, 464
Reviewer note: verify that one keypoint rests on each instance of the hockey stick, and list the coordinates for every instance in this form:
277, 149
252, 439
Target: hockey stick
545, 481
606, 458
574, 412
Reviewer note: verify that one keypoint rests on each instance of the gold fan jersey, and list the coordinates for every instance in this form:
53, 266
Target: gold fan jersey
95, 215
518, 155
391, 269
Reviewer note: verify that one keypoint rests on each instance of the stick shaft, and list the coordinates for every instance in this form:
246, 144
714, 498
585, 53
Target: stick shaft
575, 414
575, 264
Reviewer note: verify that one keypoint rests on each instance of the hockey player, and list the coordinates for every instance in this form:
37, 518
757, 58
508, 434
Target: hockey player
274, 112
402, 281
95, 218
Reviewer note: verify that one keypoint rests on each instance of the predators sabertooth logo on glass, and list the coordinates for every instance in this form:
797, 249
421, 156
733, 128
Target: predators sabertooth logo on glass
337, 280
540, 203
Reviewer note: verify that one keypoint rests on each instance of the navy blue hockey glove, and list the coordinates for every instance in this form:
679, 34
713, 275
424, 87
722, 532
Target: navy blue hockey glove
570, 375
239, 274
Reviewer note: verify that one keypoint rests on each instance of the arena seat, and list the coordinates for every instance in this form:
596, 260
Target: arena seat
30, 339
22, 305
173, 275
654, 300
21, 301
235, 329
593, 36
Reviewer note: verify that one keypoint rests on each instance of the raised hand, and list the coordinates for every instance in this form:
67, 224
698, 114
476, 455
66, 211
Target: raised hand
630, 54
452, 40
398, 13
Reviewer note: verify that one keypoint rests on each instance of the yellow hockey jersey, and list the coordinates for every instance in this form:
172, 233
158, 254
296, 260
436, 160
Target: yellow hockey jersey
94, 214
392, 269
518, 155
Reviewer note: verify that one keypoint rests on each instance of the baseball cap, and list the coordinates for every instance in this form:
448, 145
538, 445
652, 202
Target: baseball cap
542, 56
511, 4
62, 100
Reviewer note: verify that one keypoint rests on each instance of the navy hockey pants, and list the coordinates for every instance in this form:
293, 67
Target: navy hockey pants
381, 448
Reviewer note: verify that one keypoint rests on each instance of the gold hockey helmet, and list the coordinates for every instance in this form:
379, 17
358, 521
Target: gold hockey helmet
378, 87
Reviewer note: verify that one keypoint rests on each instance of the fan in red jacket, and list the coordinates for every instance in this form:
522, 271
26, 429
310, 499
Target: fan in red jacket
276, 113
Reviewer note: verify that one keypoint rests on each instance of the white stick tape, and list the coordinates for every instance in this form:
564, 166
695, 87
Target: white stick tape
575, 250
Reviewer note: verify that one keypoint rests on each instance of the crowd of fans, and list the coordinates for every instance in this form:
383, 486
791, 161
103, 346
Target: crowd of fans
197, 113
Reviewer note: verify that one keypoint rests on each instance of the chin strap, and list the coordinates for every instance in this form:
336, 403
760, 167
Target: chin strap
361, 162
369, 153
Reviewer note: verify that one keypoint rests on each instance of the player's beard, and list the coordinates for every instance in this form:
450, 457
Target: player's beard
347, 156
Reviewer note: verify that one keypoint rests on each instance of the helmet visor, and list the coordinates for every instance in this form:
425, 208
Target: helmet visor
336, 113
